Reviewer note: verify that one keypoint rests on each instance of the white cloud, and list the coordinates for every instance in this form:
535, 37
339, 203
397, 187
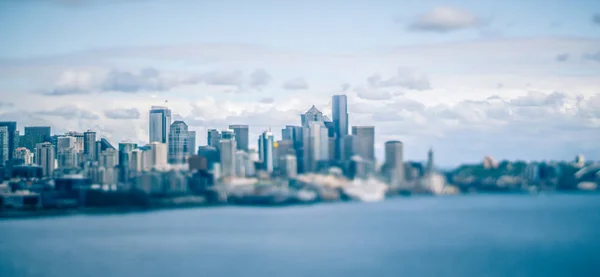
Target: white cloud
132, 113
295, 84
444, 19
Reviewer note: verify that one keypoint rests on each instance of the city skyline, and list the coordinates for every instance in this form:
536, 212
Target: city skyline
430, 75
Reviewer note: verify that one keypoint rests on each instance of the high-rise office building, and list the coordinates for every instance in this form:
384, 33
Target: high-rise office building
313, 114
24, 154
214, 136
288, 166
157, 156
4, 145
12, 138
79, 138
228, 134
294, 133
241, 158
34, 135
282, 148
160, 122
265, 150
430, 165
125, 149
178, 140
228, 157
241, 136
67, 154
191, 143
136, 161
349, 147
394, 162
109, 158
365, 136
316, 145
89, 145
211, 154
340, 122
44, 157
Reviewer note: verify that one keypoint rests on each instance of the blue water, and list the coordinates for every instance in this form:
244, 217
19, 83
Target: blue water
483, 235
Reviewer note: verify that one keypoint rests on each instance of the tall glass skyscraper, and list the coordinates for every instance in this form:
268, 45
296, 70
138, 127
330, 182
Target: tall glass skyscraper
160, 122
4, 145
316, 145
394, 162
35, 135
265, 150
366, 141
241, 136
340, 122
44, 157
178, 143
89, 145
12, 139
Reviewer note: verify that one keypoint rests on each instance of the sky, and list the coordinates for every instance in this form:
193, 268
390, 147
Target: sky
517, 80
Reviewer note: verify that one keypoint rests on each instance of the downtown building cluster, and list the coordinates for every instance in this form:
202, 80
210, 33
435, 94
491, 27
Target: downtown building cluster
167, 162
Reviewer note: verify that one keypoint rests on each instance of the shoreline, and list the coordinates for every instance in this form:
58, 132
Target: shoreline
100, 211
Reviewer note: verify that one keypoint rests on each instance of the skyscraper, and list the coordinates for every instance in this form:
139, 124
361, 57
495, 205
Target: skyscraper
213, 138
4, 145
228, 157
79, 138
349, 147
313, 114
89, 145
35, 135
265, 150
178, 143
191, 143
241, 136
365, 136
156, 157
160, 122
316, 145
340, 121
44, 157
12, 139
430, 161
67, 152
294, 133
394, 162
125, 149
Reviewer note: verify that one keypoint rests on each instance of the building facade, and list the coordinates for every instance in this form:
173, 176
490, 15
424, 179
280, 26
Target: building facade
365, 136
159, 124
241, 136
178, 143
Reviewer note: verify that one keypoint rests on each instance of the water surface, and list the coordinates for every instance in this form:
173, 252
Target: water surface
481, 235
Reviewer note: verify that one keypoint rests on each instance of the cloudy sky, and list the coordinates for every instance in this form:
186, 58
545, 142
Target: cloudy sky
511, 79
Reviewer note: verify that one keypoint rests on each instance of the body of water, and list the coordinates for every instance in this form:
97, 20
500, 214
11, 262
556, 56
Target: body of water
478, 235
